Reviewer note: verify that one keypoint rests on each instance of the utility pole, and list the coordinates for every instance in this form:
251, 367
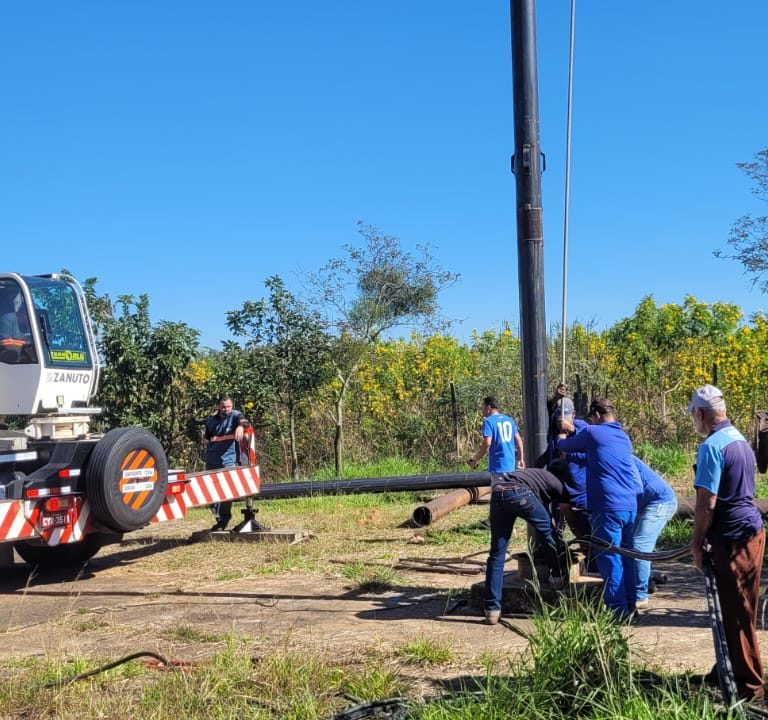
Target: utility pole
527, 167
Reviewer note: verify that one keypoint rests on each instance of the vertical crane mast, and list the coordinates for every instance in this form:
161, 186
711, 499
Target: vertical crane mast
526, 165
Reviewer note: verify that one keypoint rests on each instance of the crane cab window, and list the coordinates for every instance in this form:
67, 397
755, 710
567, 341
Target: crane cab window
60, 323
16, 343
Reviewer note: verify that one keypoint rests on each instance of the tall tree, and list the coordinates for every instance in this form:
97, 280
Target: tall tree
287, 344
144, 369
749, 234
374, 288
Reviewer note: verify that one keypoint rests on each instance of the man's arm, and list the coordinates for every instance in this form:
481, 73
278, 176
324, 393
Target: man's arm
480, 454
702, 521
519, 449
574, 443
242, 423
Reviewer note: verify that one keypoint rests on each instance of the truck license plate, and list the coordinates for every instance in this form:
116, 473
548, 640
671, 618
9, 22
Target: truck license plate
54, 520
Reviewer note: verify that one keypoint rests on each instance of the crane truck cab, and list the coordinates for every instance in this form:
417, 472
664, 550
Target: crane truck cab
64, 490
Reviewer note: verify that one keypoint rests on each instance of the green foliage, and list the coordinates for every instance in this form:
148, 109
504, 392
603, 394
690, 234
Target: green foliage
677, 533
671, 461
286, 353
374, 288
144, 382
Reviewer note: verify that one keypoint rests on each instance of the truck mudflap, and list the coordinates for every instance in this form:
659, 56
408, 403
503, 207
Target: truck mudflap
61, 519
29, 519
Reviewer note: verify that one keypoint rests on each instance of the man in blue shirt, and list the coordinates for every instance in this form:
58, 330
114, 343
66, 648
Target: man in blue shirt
612, 488
656, 504
224, 432
728, 525
501, 440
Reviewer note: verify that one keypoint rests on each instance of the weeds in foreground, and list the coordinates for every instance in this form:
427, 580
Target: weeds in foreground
284, 685
578, 665
425, 651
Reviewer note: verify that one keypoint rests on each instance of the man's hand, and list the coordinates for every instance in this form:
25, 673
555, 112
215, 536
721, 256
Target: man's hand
567, 426
520, 464
239, 432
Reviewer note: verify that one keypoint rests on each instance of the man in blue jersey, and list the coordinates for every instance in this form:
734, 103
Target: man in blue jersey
728, 526
501, 440
612, 488
224, 432
656, 504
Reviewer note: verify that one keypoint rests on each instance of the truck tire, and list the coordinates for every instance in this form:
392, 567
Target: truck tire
49, 557
125, 478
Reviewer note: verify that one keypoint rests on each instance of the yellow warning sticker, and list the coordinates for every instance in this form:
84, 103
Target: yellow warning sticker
68, 355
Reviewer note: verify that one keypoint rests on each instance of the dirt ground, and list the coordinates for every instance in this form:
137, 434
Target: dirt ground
150, 593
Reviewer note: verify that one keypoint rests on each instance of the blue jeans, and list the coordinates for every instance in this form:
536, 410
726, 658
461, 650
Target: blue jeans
618, 572
648, 526
506, 507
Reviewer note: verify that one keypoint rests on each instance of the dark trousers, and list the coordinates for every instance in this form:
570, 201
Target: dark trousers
222, 511
506, 507
737, 565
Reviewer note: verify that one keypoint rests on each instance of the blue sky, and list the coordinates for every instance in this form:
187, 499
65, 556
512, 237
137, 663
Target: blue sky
189, 150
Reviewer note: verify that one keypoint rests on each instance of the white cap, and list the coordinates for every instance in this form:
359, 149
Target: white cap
707, 397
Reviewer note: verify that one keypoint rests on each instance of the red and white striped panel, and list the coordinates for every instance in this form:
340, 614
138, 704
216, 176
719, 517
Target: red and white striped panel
17, 521
82, 522
173, 508
228, 484
20, 520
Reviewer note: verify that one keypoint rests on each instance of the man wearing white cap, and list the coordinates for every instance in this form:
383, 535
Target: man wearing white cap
728, 525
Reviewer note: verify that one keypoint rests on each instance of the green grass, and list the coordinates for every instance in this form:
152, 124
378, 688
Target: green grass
475, 532
579, 664
281, 685
385, 467
425, 651
676, 533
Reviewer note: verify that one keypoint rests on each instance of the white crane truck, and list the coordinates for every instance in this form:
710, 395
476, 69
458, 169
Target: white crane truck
65, 491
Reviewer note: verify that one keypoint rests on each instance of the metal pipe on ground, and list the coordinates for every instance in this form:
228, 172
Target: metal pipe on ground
686, 506
428, 513
398, 483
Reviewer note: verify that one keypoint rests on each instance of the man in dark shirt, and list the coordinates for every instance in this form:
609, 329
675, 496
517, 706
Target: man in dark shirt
728, 525
224, 432
530, 494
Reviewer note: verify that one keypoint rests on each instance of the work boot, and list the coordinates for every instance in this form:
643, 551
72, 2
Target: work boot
492, 617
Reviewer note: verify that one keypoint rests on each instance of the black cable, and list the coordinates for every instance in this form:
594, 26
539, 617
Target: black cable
108, 666
394, 708
664, 556
724, 667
